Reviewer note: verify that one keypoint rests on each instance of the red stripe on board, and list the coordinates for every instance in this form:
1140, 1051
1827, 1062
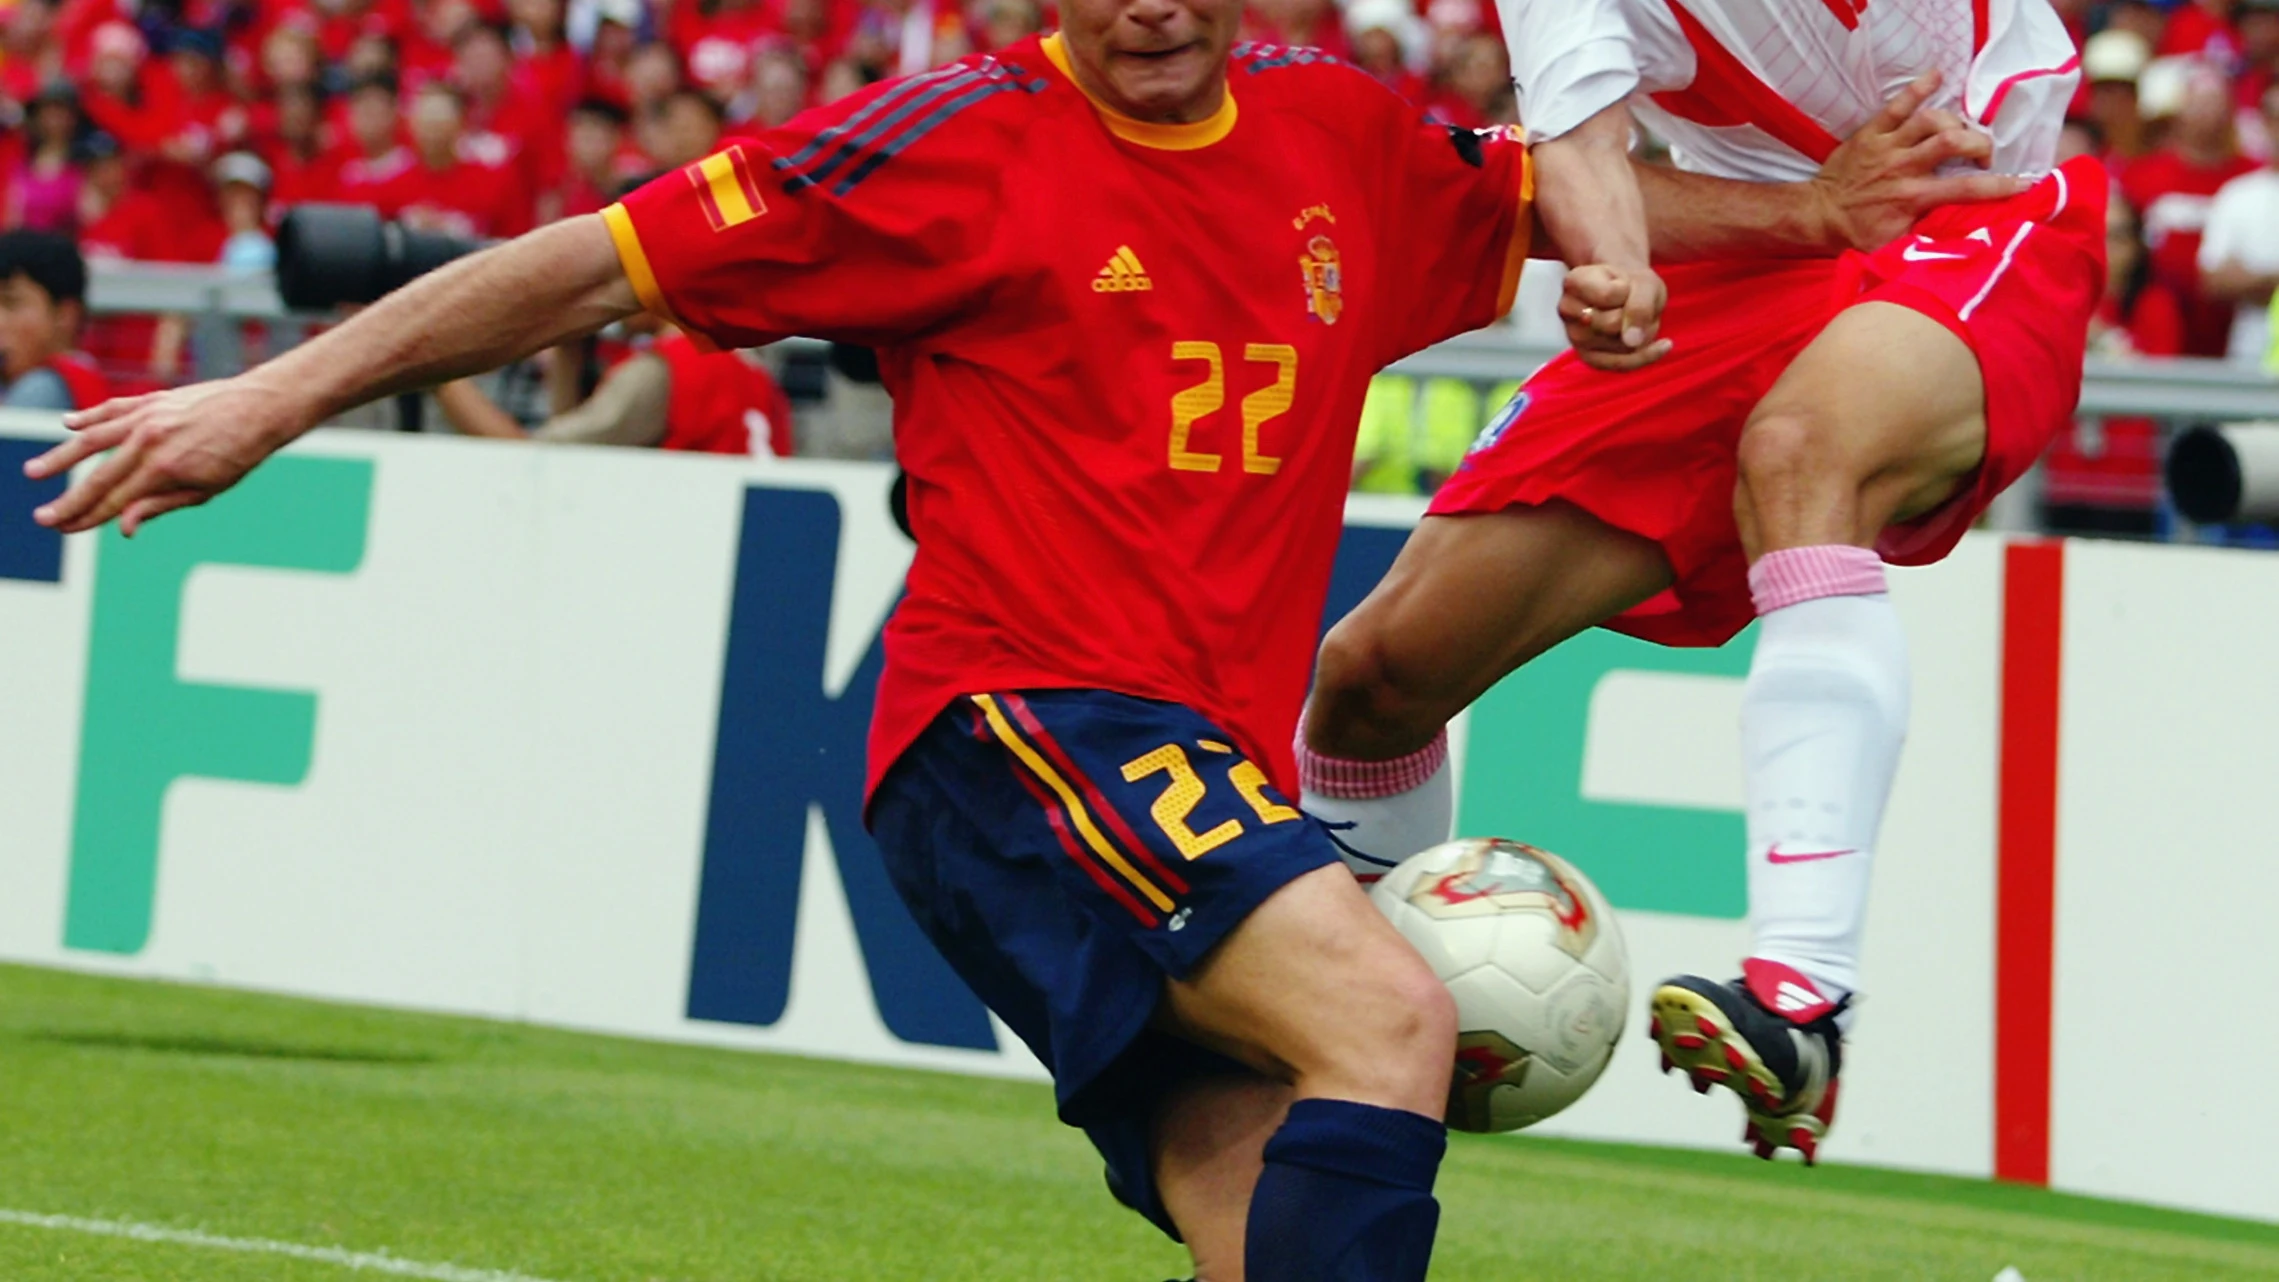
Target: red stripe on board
2033, 619
1133, 847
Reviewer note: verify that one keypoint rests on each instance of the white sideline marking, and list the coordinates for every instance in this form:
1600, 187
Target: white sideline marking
360, 1260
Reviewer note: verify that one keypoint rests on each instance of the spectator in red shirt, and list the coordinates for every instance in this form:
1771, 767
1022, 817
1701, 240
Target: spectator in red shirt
2259, 70
2173, 186
341, 24
1310, 23
114, 89
118, 220
290, 56
444, 190
428, 49
2103, 475
1003, 22
302, 166
542, 58
2203, 29
2141, 18
206, 118
843, 76
683, 129
774, 90
43, 187
715, 36
1478, 90
652, 74
502, 97
372, 55
616, 25
716, 42
1387, 37
30, 55
594, 171
374, 156
510, 127
2110, 65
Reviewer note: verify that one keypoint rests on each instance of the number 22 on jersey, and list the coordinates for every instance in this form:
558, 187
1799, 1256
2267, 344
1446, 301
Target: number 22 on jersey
1208, 397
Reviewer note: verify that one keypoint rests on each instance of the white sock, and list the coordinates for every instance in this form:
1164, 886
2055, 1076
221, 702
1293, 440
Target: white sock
1822, 719
1396, 808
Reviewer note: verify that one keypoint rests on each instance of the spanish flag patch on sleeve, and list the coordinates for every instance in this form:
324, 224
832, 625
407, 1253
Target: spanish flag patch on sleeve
725, 187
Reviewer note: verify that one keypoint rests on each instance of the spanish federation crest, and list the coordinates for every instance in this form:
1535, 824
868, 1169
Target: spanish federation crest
1325, 280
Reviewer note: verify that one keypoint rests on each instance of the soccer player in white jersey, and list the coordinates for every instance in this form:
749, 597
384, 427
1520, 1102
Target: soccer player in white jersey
1792, 425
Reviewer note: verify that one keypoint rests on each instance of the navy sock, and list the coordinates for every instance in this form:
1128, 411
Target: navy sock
1346, 1196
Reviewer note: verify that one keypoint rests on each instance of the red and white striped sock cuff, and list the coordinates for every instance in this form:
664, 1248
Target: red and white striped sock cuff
1363, 780
1792, 575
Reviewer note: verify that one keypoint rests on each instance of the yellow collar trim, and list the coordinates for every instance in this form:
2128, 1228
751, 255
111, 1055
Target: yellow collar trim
1188, 137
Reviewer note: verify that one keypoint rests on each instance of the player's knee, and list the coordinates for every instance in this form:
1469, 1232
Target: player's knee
1366, 701
1397, 1036
1788, 452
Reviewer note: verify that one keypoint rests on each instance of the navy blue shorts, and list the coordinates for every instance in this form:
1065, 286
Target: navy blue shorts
1069, 850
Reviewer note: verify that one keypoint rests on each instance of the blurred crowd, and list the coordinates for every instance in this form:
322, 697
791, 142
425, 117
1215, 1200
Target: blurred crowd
178, 130
175, 130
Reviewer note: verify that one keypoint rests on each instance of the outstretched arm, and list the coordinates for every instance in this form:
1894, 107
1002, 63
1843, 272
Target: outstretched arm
181, 447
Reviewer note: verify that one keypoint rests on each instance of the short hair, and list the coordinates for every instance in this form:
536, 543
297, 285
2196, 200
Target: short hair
711, 105
484, 26
383, 81
443, 89
612, 112
48, 260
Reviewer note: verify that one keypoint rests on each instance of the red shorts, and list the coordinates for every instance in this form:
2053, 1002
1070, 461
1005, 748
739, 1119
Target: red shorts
1652, 452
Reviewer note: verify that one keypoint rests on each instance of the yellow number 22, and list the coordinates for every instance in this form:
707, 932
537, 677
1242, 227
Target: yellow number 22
1186, 790
1210, 396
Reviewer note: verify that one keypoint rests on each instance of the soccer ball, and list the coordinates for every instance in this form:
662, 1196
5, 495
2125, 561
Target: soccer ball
1529, 949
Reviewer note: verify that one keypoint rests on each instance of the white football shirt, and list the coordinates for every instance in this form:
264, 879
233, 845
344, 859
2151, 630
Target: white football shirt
1759, 89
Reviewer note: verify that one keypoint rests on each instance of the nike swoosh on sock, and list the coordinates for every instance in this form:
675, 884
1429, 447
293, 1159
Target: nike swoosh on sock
1774, 855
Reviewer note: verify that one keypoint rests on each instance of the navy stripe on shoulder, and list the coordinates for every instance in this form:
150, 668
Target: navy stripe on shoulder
896, 119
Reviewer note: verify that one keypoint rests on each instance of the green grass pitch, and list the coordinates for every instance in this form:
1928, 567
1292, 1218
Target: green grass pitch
491, 1147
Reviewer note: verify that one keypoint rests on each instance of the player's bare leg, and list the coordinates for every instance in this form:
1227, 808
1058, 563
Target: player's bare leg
1316, 989
1469, 599
1210, 1148
1880, 420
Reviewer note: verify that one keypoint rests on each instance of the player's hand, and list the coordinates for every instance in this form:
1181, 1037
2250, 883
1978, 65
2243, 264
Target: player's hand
168, 450
1886, 175
1612, 315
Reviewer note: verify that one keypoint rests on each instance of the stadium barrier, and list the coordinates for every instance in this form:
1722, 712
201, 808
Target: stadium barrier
574, 737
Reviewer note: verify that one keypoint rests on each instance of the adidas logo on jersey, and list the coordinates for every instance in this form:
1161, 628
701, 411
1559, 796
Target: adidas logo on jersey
1122, 275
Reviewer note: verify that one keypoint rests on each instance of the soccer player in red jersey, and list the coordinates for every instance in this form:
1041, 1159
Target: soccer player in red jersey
1128, 288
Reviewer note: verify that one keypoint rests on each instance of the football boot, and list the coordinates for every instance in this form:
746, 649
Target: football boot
1770, 1037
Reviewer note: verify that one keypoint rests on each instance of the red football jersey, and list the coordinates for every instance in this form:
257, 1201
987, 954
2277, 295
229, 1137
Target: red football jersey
1127, 359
